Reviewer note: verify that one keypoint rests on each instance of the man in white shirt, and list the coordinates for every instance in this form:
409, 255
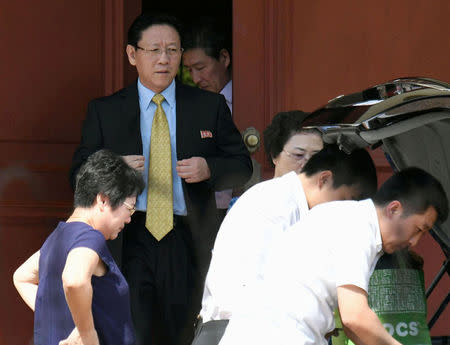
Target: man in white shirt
326, 260
266, 210
207, 56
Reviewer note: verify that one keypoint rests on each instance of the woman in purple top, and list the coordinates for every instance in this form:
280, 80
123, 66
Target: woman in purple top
72, 283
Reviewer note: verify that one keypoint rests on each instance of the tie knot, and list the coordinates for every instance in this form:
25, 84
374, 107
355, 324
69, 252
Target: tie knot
158, 99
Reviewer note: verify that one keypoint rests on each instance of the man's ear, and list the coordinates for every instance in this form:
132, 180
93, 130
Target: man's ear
275, 160
131, 53
394, 208
325, 178
102, 201
224, 58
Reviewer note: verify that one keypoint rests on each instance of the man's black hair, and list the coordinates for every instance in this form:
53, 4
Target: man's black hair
354, 169
417, 190
205, 33
107, 174
145, 20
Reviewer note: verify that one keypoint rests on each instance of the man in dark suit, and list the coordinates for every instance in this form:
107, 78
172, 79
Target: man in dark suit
166, 270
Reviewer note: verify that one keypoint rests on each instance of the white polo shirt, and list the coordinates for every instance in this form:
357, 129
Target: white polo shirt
337, 243
244, 239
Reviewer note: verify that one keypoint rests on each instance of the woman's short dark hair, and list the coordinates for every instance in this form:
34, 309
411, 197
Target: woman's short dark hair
354, 169
107, 174
417, 190
145, 20
283, 126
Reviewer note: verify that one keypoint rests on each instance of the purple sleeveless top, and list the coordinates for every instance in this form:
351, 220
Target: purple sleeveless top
110, 301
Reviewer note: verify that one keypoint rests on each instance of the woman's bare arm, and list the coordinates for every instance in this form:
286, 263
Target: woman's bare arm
26, 279
80, 265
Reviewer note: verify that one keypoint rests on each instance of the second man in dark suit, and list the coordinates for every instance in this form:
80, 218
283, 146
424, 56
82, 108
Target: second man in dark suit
207, 57
165, 260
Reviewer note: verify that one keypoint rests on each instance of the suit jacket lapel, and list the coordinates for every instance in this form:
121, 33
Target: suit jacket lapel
181, 104
131, 111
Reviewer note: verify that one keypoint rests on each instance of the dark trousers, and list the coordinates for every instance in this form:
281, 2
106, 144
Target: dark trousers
161, 280
221, 213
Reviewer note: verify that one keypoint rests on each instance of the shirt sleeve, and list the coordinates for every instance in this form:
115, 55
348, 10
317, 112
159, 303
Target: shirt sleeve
91, 239
354, 259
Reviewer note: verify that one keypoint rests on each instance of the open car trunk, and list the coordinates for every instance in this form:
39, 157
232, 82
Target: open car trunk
410, 119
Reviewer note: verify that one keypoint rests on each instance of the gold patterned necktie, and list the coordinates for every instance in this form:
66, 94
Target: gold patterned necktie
159, 219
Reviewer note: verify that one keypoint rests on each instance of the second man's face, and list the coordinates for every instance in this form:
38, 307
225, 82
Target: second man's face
158, 57
207, 73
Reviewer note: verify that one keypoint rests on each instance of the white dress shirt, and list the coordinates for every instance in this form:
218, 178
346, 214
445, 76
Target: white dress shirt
242, 243
337, 243
227, 92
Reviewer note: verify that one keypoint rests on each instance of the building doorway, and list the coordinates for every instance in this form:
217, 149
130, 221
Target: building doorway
188, 11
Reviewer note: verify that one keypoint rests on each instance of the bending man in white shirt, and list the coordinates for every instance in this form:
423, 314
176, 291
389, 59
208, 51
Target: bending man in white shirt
263, 213
326, 260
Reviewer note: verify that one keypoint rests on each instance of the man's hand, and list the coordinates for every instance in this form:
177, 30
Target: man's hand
194, 169
135, 161
74, 338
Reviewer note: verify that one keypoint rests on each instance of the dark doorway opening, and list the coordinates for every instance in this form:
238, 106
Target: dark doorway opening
188, 11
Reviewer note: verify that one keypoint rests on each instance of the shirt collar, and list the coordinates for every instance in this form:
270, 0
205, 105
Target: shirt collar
146, 95
300, 194
376, 227
227, 91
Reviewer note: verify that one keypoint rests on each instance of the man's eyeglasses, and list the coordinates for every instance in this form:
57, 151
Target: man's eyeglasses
130, 208
157, 52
